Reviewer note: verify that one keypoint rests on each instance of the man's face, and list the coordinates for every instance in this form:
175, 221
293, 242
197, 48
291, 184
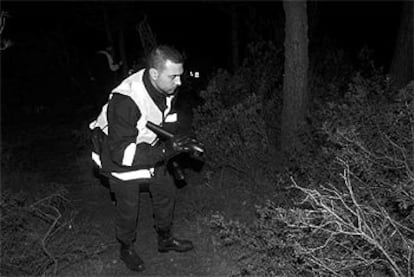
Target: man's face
168, 78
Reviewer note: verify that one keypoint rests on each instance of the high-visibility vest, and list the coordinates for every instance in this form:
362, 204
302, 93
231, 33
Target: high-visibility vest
134, 87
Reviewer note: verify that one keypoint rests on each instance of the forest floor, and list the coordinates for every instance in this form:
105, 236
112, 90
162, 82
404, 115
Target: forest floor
53, 156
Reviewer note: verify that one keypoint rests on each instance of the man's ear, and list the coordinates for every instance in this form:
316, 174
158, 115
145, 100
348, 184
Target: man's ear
153, 73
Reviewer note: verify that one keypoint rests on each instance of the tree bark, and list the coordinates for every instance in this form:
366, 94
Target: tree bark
402, 64
295, 80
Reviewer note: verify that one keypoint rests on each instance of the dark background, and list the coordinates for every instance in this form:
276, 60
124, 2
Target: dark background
50, 64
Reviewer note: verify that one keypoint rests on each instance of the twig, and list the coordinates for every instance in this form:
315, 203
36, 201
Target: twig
363, 228
55, 262
221, 177
55, 219
410, 262
410, 117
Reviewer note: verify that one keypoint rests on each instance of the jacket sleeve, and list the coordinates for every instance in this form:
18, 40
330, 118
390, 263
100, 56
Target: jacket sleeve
123, 115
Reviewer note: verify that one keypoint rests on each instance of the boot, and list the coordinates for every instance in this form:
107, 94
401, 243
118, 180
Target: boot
167, 242
130, 257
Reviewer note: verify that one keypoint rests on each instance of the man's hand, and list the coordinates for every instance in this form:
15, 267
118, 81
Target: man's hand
181, 143
184, 144
176, 144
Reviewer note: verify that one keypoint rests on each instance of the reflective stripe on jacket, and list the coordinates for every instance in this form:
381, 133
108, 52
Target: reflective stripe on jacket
134, 88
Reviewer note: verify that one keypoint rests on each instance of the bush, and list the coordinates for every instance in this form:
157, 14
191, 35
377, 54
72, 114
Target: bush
357, 225
335, 235
376, 140
347, 235
238, 138
262, 248
238, 109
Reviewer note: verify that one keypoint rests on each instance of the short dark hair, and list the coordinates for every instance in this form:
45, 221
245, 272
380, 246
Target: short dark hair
160, 54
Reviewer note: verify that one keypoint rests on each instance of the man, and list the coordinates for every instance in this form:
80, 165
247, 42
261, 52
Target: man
132, 155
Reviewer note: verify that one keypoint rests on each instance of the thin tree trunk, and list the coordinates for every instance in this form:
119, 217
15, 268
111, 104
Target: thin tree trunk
295, 82
402, 64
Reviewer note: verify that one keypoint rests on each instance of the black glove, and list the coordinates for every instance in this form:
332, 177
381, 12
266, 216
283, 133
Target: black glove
184, 144
174, 146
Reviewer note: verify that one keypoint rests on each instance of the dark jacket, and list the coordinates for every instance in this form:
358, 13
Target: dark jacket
123, 114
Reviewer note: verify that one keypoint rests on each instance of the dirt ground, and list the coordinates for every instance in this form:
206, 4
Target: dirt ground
54, 156
98, 209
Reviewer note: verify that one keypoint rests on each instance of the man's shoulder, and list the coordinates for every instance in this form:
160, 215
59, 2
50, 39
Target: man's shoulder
130, 84
137, 76
121, 104
120, 101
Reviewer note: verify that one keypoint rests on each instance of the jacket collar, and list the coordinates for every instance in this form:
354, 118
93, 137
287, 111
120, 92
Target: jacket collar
158, 97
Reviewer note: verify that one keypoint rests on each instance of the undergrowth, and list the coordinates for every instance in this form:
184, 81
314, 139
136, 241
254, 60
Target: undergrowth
354, 186
40, 234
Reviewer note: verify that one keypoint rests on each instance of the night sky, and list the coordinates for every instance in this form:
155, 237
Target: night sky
195, 27
200, 27
54, 39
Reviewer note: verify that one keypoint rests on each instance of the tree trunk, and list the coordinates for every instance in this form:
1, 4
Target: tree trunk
402, 64
295, 80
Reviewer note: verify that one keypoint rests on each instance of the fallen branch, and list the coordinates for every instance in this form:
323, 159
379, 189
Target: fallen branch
339, 217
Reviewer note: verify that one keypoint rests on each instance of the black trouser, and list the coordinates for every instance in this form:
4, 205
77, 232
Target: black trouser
163, 193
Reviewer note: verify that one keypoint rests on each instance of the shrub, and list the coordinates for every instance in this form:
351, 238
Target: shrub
357, 225
238, 138
376, 141
347, 234
39, 234
262, 248
238, 109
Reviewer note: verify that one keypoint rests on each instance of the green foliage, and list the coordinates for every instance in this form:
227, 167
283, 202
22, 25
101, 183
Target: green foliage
263, 248
371, 129
237, 138
342, 235
238, 108
375, 137
357, 225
